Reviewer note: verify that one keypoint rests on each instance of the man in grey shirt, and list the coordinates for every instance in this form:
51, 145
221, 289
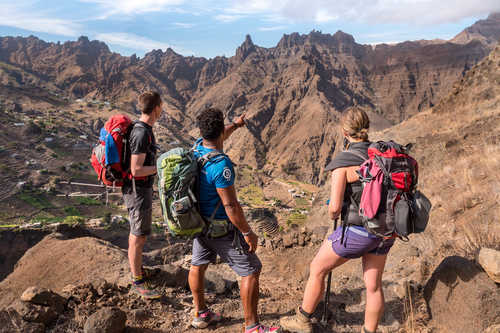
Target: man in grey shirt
138, 191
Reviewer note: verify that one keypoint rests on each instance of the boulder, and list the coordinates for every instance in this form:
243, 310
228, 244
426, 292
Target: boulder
34, 313
460, 286
46, 297
13, 322
218, 283
489, 259
106, 320
171, 275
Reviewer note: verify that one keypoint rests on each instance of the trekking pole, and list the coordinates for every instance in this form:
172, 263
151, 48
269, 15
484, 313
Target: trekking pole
324, 319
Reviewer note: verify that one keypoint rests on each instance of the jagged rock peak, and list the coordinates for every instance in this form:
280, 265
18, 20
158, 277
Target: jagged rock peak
83, 39
248, 41
246, 48
288, 41
340, 35
318, 37
154, 53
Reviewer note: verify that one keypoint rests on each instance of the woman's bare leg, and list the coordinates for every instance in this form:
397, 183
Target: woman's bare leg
324, 261
373, 268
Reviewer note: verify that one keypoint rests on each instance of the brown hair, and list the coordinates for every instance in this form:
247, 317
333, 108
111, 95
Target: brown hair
148, 101
355, 123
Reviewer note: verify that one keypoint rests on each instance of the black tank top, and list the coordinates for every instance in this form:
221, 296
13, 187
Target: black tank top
352, 193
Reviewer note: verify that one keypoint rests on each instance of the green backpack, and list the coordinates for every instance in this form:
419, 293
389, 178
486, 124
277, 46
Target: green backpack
178, 171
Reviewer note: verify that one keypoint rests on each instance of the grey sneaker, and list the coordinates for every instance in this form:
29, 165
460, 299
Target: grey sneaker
145, 290
205, 319
297, 323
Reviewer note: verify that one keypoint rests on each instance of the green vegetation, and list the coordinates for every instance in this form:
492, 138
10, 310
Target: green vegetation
296, 217
302, 203
74, 220
157, 228
8, 225
289, 167
70, 210
88, 201
36, 199
46, 219
252, 194
107, 218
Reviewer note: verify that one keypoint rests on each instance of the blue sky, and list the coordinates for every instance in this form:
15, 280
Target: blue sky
217, 27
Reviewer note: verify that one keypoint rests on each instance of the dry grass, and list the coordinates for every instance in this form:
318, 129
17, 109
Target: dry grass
465, 193
409, 310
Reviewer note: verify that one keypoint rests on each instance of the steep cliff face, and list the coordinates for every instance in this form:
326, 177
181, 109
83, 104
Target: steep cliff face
292, 93
408, 78
487, 31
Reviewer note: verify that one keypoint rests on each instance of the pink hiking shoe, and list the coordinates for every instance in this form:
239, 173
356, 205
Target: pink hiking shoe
263, 329
206, 318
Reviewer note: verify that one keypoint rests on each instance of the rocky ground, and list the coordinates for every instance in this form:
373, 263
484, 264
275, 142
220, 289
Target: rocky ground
90, 277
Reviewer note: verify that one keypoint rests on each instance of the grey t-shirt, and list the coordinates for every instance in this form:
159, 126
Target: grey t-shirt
142, 141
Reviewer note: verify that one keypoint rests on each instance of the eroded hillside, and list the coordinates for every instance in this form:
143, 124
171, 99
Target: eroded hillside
292, 93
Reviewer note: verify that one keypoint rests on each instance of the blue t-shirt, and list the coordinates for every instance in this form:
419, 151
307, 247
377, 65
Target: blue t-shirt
217, 173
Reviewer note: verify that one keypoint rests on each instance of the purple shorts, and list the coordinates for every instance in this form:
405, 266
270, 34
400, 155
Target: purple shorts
357, 242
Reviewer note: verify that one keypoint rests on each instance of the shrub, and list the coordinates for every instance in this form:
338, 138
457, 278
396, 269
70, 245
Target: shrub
72, 211
74, 220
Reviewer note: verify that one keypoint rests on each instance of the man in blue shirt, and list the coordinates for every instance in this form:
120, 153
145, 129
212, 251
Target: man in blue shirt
229, 234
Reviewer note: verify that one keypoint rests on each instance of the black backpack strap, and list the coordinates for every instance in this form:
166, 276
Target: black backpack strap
215, 210
209, 156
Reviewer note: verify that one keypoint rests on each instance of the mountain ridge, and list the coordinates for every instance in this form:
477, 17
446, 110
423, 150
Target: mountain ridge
292, 93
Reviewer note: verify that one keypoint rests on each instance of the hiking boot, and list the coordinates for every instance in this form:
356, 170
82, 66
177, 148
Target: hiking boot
263, 329
297, 323
205, 319
145, 290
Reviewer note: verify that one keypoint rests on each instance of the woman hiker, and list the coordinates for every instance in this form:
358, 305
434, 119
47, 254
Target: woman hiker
357, 242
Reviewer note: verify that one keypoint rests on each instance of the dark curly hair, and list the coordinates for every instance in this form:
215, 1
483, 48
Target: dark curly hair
211, 123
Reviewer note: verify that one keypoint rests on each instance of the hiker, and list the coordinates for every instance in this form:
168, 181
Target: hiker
345, 197
138, 192
219, 204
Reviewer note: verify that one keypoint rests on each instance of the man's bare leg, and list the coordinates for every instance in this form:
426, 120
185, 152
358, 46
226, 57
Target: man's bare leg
196, 281
249, 294
135, 247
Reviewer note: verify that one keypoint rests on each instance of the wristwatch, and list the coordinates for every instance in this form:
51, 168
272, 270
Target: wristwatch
247, 233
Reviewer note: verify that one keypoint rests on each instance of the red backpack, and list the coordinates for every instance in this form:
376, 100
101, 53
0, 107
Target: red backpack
390, 205
111, 156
